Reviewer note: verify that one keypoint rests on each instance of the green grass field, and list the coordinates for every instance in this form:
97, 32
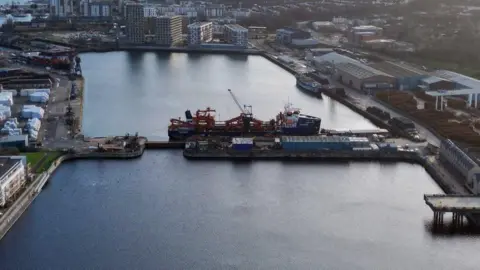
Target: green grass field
41, 161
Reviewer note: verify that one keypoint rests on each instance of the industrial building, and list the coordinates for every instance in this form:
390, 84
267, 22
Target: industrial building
326, 63
432, 83
407, 77
135, 17
256, 32
236, 35
310, 54
285, 36
363, 33
200, 32
12, 178
19, 141
462, 86
363, 77
462, 163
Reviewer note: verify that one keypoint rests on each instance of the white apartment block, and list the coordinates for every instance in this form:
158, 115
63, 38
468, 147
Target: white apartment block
215, 11
96, 9
61, 8
135, 23
236, 35
12, 178
150, 12
200, 32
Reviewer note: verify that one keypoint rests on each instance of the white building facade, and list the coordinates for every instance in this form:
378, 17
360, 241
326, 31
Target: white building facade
96, 9
13, 178
236, 35
466, 166
200, 32
61, 8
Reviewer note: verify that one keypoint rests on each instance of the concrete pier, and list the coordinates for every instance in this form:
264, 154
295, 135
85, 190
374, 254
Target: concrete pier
462, 207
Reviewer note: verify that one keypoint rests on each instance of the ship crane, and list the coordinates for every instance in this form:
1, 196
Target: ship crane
246, 109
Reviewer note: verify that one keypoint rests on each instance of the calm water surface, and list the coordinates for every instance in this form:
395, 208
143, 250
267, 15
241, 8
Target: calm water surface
163, 212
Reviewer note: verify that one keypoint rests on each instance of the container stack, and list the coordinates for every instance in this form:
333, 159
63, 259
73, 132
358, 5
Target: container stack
32, 111
6, 99
11, 128
5, 112
38, 97
13, 91
32, 127
242, 144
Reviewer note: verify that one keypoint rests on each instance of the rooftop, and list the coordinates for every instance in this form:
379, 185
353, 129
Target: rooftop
199, 24
433, 79
7, 163
466, 81
453, 203
360, 71
335, 58
397, 70
236, 27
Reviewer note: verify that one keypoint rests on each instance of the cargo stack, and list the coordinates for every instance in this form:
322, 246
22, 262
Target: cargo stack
32, 111
10, 128
32, 127
6, 101
242, 144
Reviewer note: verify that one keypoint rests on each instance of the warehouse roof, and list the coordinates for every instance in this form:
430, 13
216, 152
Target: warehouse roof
335, 58
397, 69
466, 81
360, 71
433, 79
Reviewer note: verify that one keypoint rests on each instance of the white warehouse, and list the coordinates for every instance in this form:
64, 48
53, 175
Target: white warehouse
466, 166
12, 177
200, 32
236, 35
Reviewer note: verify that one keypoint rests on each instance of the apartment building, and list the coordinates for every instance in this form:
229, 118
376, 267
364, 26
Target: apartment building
135, 23
236, 35
200, 32
168, 30
12, 177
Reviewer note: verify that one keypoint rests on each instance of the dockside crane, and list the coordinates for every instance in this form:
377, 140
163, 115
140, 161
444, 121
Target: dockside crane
246, 109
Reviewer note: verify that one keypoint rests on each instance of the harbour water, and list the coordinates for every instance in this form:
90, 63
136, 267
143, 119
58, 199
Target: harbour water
163, 212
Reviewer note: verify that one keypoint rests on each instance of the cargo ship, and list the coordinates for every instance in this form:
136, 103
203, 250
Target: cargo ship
203, 123
308, 84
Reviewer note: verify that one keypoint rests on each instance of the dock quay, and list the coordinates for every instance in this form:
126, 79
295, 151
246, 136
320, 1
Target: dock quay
164, 144
462, 207
343, 99
345, 156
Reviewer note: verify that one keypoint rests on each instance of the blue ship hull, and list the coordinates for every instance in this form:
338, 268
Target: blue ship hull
309, 87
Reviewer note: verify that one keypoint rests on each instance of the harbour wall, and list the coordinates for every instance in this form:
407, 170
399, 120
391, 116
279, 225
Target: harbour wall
172, 49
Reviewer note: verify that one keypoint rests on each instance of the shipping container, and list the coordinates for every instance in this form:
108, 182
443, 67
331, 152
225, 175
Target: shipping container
309, 143
242, 140
242, 147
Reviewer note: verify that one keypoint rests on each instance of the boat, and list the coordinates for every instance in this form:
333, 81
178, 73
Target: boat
203, 123
308, 84
20, 15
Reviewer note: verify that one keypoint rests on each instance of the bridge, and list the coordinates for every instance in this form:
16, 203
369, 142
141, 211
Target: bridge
460, 206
